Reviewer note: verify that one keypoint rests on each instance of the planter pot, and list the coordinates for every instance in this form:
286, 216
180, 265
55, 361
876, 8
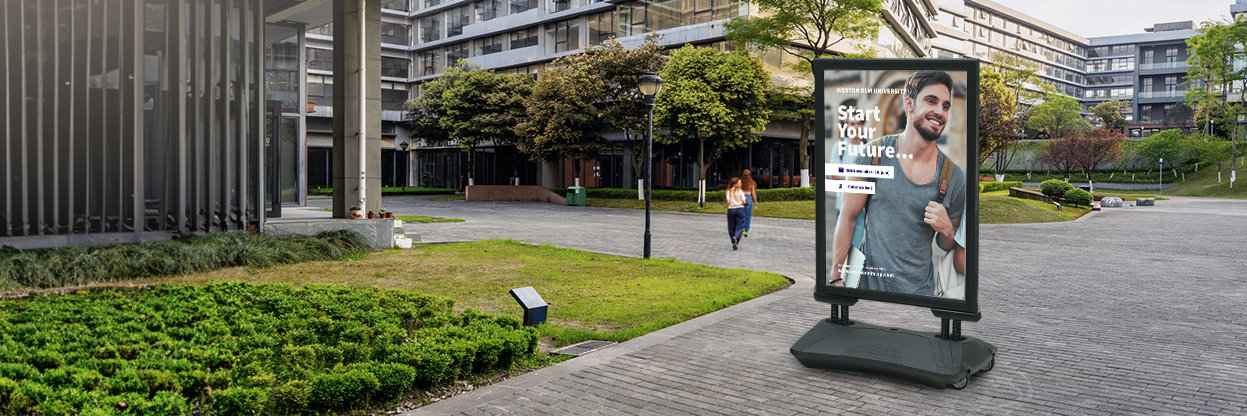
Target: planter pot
372, 215
357, 214
398, 223
402, 242
389, 215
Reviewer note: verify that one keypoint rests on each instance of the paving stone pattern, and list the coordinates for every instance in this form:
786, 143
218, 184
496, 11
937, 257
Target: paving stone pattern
1135, 310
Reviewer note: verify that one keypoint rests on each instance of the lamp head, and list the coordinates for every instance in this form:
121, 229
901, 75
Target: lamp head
403, 145
649, 84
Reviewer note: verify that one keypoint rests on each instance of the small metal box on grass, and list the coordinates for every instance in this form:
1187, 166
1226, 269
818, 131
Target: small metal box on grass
534, 306
576, 196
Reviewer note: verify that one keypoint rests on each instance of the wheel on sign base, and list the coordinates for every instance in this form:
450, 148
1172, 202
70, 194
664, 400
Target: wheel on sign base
990, 365
961, 384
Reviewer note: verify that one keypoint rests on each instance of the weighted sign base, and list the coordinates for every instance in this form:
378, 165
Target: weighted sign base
922, 357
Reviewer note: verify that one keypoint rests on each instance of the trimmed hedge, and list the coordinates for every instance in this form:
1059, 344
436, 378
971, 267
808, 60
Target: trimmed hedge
998, 186
191, 254
1055, 188
240, 349
1078, 196
391, 191
764, 195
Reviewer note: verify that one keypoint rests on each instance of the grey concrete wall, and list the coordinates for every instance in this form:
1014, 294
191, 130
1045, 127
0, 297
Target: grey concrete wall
379, 231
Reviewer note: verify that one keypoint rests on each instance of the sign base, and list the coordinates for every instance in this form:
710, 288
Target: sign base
921, 357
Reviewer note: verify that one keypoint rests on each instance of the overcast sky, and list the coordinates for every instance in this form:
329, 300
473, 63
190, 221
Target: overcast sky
1093, 18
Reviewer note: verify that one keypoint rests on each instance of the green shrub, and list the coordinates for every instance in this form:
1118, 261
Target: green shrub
998, 186
1055, 188
391, 191
1078, 196
236, 348
191, 254
240, 401
777, 194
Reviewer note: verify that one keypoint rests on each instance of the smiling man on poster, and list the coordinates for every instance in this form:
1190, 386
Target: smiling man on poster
903, 215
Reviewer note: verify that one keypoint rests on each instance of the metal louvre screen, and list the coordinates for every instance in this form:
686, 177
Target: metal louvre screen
127, 120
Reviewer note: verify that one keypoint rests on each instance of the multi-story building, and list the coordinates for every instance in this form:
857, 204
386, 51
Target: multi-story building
1146, 71
420, 38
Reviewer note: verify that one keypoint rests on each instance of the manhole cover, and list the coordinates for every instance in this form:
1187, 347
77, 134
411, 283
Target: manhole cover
584, 347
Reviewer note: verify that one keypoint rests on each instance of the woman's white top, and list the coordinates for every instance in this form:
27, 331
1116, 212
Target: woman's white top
735, 198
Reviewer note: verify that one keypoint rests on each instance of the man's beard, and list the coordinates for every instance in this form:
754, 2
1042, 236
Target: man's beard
929, 136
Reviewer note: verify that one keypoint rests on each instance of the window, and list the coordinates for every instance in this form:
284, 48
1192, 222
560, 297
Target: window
521, 6
1171, 83
394, 33
322, 30
563, 36
601, 27
488, 10
556, 6
456, 19
1171, 54
1123, 64
523, 38
1147, 85
430, 62
1145, 113
1148, 56
486, 46
395, 67
320, 59
320, 89
430, 28
393, 96
456, 52
431, 3
400, 5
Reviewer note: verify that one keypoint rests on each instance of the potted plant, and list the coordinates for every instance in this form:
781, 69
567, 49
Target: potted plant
357, 213
383, 214
372, 214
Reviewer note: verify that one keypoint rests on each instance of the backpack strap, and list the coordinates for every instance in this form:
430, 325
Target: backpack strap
946, 175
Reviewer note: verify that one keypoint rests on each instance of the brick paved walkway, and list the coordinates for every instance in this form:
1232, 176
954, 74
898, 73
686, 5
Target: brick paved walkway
1127, 311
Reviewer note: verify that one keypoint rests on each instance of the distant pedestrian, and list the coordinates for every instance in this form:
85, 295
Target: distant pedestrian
751, 199
735, 198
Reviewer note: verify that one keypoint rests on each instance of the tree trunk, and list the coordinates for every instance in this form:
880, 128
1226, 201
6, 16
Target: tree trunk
803, 155
701, 179
471, 164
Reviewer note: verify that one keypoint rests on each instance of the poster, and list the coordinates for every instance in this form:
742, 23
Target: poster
898, 220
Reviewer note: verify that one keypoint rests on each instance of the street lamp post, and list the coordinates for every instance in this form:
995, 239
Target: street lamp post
1160, 189
649, 84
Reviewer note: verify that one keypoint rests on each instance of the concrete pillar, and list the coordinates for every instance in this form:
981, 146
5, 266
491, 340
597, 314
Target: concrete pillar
550, 174
346, 112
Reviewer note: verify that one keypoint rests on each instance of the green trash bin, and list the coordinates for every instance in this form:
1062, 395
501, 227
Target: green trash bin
576, 196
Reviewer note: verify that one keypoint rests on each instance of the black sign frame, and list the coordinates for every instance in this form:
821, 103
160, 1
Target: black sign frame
847, 296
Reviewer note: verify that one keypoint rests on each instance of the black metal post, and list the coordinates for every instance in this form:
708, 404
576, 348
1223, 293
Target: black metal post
649, 173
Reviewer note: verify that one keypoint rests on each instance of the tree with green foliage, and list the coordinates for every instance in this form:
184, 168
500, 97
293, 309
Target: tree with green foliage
1056, 117
471, 107
807, 30
608, 74
998, 121
793, 102
1178, 114
1021, 75
715, 98
562, 121
1207, 149
1109, 114
1163, 145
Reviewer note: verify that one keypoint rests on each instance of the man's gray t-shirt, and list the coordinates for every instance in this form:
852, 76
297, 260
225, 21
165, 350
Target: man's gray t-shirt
897, 245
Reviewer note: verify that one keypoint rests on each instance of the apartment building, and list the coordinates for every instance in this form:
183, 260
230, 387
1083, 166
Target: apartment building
420, 38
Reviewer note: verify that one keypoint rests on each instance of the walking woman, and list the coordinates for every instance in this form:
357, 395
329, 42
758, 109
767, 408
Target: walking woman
735, 198
751, 199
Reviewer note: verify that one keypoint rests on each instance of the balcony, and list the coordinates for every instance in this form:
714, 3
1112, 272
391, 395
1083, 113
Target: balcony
1163, 67
1147, 95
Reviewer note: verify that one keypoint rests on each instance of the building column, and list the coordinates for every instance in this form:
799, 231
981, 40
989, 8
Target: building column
347, 120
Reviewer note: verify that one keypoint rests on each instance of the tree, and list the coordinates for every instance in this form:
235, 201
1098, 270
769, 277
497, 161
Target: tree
1179, 114
1109, 114
1059, 153
471, 107
807, 30
998, 121
714, 98
1212, 72
608, 74
1163, 145
795, 103
1020, 75
561, 120
1056, 117
1207, 149
1095, 148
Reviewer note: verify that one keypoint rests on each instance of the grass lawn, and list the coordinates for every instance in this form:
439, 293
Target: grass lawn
1204, 183
591, 296
425, 219
999, 208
